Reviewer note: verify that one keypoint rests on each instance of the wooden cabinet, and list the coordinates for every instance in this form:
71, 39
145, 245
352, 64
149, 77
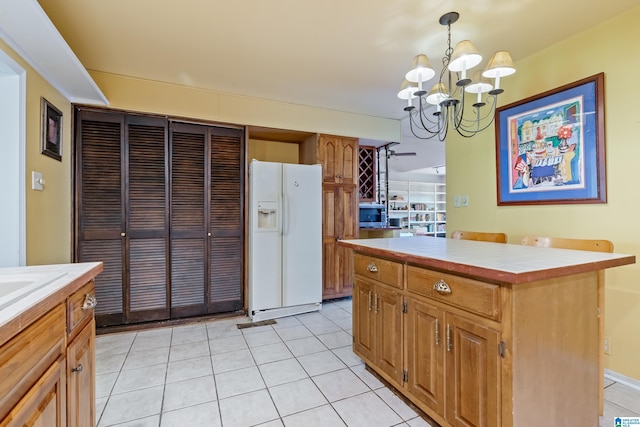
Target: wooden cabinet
339, 208
48, 369
367, 178
80, 376
339, 159
451, 368
161, 204
378, 323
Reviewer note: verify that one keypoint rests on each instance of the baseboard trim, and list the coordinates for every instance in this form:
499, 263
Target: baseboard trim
619, 378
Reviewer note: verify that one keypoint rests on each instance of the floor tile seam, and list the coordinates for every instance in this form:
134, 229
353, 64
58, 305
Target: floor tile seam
403, 421
117, 377
635, 414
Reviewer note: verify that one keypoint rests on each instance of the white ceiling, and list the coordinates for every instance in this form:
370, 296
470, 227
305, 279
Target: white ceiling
335, 54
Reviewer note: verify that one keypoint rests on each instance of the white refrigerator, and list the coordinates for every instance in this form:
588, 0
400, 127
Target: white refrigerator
285, 239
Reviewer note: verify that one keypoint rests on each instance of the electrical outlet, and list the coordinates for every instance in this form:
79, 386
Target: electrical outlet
464, 201
607, 345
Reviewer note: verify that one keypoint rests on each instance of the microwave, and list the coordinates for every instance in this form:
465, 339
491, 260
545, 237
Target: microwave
373, 216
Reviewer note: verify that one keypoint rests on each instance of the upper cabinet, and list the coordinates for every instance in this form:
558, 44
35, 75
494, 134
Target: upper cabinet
339, 159
367, 173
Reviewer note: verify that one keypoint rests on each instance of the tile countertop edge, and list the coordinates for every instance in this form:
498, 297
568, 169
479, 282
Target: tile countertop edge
78, 274
478, 271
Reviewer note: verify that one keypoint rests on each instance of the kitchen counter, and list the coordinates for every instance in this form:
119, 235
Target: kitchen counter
26, 293
483, 334
495, 262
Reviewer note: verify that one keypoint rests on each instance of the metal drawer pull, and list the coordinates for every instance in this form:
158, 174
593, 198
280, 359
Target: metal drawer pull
448, 338
442, 287
369, 300
78, 369
375, 303
437, 333
372, 267
90, 302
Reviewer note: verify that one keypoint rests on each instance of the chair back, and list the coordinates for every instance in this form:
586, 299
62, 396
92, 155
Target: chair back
479, 235
563, 243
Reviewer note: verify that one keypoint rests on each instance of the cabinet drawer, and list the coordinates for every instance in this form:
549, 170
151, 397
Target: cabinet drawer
385, 271
26, 357
471, 295
80, 306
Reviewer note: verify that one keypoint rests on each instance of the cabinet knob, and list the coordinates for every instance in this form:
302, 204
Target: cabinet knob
372, 267
442, 287
123, 234
90, 302
77, 369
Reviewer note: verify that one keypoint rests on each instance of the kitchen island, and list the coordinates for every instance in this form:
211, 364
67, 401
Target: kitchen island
47, 345
482, 334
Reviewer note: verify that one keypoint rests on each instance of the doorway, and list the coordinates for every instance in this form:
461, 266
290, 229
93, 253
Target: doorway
12, 162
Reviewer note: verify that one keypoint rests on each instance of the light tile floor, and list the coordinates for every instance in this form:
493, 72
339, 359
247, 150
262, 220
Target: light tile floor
298, 372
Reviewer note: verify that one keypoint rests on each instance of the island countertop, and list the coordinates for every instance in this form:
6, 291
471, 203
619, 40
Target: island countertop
26, 293
495, 262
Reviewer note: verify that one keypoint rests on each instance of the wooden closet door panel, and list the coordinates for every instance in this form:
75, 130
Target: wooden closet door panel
187, 277
189, 241
109, 288
147, 219
100, 211
226, 220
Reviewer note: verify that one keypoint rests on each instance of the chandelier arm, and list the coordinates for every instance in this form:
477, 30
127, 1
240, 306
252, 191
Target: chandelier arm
411, 126
423, 116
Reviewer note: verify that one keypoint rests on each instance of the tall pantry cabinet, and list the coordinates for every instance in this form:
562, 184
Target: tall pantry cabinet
339, 159
161, 204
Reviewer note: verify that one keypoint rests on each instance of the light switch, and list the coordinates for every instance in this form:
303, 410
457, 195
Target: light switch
464, 201
456, 201
36, 181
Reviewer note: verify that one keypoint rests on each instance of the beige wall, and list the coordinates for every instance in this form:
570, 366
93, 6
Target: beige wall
471, 171
48, 212
272, 151
162, 98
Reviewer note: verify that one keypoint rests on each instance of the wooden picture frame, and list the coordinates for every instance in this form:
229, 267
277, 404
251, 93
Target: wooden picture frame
550, 147
51, 130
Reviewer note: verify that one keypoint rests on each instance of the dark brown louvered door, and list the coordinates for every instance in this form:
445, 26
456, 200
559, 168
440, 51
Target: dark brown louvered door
189, 240
99, 207
226, 221
147, 219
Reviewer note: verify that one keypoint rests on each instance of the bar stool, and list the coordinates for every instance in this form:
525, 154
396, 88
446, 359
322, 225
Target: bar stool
583, 245
479, 235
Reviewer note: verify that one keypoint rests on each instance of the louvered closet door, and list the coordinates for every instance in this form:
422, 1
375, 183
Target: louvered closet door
100, 211
147, 219
226, 220
189, 240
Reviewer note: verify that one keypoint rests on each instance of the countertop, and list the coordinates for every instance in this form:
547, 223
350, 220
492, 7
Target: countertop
34, 290
495, 262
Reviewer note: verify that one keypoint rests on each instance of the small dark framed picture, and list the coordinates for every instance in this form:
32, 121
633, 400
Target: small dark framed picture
51, 139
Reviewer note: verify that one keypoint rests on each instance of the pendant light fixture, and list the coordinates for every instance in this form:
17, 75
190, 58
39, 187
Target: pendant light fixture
443, 106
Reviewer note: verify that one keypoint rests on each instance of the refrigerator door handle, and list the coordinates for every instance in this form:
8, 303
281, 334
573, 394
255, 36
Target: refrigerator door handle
285, 214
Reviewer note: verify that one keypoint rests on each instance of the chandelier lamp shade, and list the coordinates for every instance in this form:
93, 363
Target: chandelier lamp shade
443, 106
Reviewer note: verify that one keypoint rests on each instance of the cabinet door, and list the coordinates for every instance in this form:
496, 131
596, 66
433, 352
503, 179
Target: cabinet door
81, 395
339, 159
100, 210
363, 319
226, 220
189, 240
472, 373
426, 347
339, 204
44, 404
388, 314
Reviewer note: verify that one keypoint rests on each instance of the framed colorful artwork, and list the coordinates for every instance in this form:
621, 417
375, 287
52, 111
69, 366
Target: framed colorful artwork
550, 147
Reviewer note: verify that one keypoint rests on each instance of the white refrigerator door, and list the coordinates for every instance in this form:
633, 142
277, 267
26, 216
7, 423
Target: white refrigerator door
302, 234
265, 245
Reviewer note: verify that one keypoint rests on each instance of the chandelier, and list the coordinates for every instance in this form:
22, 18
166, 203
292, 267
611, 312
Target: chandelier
444, 105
